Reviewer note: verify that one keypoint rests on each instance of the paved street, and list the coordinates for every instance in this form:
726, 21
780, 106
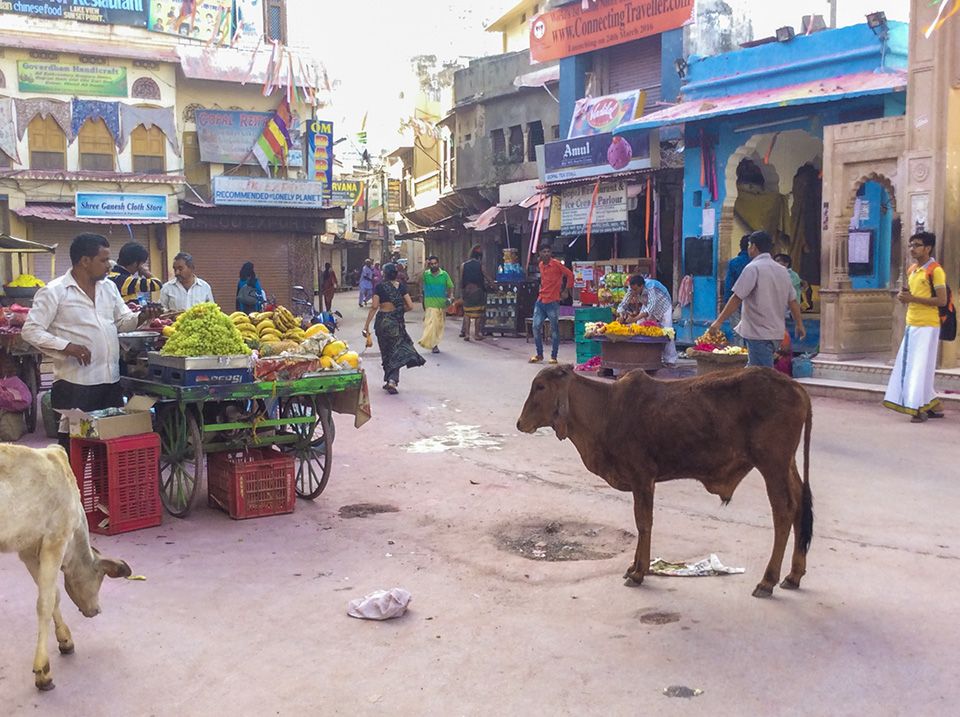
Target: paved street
249, 618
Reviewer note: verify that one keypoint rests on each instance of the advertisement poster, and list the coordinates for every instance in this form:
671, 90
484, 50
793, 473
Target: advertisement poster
347, 193
571, 30
262, 192
125, 12
199, 19
599, 154
597, 115
320, 153
609, 211
107, 205
247, 22
58, 79
394, 195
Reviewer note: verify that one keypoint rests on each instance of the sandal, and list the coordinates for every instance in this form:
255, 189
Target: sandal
392, 388
536, 359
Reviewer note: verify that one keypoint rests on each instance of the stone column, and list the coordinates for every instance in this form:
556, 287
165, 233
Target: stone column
930, 183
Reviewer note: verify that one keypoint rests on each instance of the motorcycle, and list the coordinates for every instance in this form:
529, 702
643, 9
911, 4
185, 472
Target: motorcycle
303, 307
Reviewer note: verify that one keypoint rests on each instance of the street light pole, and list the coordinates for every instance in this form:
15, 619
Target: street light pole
833, 13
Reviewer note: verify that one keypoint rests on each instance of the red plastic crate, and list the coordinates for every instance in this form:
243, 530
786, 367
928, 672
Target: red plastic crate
119, 482
251, 483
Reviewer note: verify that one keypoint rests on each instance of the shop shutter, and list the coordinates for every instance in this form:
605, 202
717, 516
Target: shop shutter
62, 234
635, 66
219, 255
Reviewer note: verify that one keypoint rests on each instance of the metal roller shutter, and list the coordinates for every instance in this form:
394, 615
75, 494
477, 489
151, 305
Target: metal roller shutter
62, 234
218, 257
635, 66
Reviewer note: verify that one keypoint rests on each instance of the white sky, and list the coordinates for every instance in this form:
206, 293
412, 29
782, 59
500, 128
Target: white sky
369, 50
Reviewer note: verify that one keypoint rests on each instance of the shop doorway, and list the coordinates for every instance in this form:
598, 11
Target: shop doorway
873, 233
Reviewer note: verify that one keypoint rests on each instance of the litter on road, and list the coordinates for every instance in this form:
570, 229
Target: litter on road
380, 605
702, 568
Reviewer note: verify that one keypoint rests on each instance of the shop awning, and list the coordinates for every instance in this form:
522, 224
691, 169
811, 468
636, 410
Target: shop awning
55, 175
538, 78
65, 213
232, 64
827, 90
25, 246
483, 221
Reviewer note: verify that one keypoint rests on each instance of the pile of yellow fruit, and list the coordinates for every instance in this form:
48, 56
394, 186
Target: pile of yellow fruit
270, 331
615, 328
26, 281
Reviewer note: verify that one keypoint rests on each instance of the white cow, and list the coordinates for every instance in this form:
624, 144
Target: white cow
42, 519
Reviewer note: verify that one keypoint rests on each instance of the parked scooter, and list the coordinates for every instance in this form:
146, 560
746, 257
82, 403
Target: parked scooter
304, 308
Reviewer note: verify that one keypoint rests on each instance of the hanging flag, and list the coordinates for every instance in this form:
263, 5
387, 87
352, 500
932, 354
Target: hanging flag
272, 147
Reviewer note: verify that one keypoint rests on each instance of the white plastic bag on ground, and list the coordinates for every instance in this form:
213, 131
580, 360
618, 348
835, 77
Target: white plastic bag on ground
380, 605
708, 566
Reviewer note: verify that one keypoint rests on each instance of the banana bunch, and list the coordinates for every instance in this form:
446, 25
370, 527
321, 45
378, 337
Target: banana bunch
247, 330
288, 325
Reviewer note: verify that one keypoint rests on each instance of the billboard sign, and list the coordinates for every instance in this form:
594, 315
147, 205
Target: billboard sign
597, 155
108, 205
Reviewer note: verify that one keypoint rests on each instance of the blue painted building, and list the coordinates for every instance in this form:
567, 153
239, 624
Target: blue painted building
753, 124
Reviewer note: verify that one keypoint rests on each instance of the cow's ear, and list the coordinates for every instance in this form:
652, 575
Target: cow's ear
114, 568
562, 414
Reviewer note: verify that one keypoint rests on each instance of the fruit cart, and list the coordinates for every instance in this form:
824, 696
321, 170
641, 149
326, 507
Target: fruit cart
18, 358
296, 416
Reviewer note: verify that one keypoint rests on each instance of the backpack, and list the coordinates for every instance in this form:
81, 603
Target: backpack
948, 312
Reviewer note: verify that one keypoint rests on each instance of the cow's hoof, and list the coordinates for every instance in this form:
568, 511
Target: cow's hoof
45, 686
633, 578
762, 591
789, 584
66, 648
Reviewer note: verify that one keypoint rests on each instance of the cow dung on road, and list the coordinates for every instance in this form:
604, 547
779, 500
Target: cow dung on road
555, 541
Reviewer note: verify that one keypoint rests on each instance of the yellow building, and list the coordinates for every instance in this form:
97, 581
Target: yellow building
514, 24
110, 108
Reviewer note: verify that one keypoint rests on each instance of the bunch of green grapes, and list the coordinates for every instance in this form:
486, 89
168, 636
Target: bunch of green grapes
204, 330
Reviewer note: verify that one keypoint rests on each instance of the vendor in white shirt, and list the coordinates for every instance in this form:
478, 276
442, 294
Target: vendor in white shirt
186, 289
75, 320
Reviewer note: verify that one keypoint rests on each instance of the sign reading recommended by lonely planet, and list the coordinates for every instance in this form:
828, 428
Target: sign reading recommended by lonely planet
121, 206
261, 192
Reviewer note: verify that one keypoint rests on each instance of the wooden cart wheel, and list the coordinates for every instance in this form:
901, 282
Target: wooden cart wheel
29, 374
181, 458
313, 449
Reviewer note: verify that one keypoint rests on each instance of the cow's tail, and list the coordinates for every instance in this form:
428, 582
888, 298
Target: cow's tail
806, 516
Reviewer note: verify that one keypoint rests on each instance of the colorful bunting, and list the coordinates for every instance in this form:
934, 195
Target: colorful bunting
272, 147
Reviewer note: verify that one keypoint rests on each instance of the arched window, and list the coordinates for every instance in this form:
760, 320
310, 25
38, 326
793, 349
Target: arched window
48, 144
144, 88
97, 150
190, 112
149, 150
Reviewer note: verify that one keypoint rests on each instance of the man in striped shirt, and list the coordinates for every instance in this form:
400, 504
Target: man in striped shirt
131, 274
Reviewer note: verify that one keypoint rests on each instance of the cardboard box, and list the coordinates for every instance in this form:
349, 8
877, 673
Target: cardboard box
131, 420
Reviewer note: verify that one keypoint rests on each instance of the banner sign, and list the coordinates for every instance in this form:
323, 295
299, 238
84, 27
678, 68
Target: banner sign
228, 136
394, 194
262, 192
54, 78
199, 19
247, 22
596, 115
571, 30
105, 12
106, 205
347, 193
609, 211
597, 155
320, 151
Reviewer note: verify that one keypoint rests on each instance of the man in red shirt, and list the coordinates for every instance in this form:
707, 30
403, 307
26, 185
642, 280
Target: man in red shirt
554, 278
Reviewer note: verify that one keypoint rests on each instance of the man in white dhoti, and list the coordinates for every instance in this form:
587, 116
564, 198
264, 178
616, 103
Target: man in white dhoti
911, 390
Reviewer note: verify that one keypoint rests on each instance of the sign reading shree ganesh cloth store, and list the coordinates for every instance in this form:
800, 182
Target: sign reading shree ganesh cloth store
109, 205
609, 209
571, 30
260, 192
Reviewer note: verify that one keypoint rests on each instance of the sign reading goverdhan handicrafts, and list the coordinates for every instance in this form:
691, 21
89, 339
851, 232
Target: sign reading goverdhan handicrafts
107, 12
260, 192
108, 205
56, 78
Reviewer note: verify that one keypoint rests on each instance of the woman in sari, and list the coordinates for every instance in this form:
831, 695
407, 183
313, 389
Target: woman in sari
390, 301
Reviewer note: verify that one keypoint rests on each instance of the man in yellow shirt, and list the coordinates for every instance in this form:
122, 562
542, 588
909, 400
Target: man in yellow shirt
911, 388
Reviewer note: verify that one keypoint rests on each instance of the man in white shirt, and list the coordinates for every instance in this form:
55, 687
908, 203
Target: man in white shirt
186, 289
75, 320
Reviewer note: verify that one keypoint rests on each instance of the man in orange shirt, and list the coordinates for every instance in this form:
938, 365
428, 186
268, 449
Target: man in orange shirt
553, 274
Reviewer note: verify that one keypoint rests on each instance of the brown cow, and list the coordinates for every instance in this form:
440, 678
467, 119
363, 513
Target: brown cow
42, 519
639, 431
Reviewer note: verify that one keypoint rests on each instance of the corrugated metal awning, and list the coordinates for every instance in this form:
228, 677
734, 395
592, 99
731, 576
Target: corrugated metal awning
121, 177
65, 213
826, 90
231, 64
538, 78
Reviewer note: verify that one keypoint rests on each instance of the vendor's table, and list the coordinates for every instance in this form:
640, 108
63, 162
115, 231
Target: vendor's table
18, 358
622, 354
295, 416
709, 362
